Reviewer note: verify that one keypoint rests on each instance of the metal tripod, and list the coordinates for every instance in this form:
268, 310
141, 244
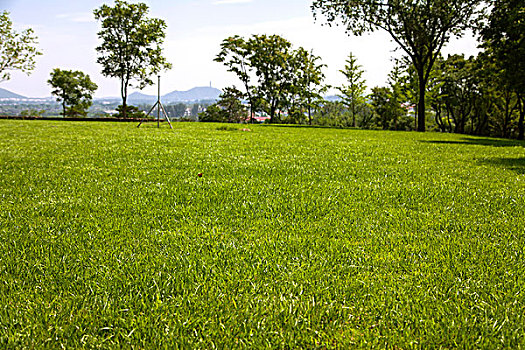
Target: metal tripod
160, 108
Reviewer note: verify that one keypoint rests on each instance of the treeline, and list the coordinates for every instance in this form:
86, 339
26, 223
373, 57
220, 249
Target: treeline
483, 95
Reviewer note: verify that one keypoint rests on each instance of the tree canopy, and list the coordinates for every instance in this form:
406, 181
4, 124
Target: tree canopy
74, 89
131, 48
273, 74
419, 27
17, 50
504, 40
352, 93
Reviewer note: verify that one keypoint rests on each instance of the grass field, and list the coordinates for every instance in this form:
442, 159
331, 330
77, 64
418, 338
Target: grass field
292, 238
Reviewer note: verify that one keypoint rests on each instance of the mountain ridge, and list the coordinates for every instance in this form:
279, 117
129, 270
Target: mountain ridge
9, 94
199, 93
194, 94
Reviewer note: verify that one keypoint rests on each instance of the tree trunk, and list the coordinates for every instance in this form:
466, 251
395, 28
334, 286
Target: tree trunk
437, 116
522, 117
64, 109
272, 114
421, 102
353, 113
309, 114
250, 98
124, 94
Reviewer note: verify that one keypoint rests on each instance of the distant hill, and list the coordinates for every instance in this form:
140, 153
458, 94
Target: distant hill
195, 94
8, 94
138, 97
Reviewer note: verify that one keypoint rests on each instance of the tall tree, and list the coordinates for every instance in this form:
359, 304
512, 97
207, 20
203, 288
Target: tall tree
504, 37
458, 89
273, 74
131, 45
306, 89
352, 93
397, 98
271, 57
17, 50
419, 27
236, 54
74, 89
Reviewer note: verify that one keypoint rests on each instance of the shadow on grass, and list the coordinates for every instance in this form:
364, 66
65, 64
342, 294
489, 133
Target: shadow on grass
482, 142
514, 164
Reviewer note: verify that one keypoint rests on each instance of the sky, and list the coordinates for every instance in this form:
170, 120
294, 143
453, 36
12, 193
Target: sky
67, 33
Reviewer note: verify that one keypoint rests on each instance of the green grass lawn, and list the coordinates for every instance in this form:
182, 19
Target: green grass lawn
292, 238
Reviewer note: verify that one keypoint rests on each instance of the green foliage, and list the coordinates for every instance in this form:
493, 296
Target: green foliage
235, 54
228, 109
74, 90
177, 110
305, 92
32, 112
271, 57
131, 48
420, 27
332, 113
131, 112
292, 238
231, 102
213, 113
504, 39
353, 93
274, 75
337, 114
471, 96
380, 101
17, 50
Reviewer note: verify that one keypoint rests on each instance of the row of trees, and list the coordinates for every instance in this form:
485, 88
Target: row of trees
483, 95
274, 76
130, 50
478, 95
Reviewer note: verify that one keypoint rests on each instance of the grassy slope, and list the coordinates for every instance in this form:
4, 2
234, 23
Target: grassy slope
293, 237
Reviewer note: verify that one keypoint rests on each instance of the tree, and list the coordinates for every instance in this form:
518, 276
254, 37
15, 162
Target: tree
419, 27
179, 110
458, 90
307, 86
352, 94
195, 110
17, 50
230, 101
504, 38
380, 101
271, 57
331, 113
74, 89
228, 108
273, 75
131, 45
236, 54
133, 112
397, 98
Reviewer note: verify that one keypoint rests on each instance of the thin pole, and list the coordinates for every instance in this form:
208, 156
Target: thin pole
158, 107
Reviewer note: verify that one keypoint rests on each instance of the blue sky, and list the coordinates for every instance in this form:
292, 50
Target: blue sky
67, 34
